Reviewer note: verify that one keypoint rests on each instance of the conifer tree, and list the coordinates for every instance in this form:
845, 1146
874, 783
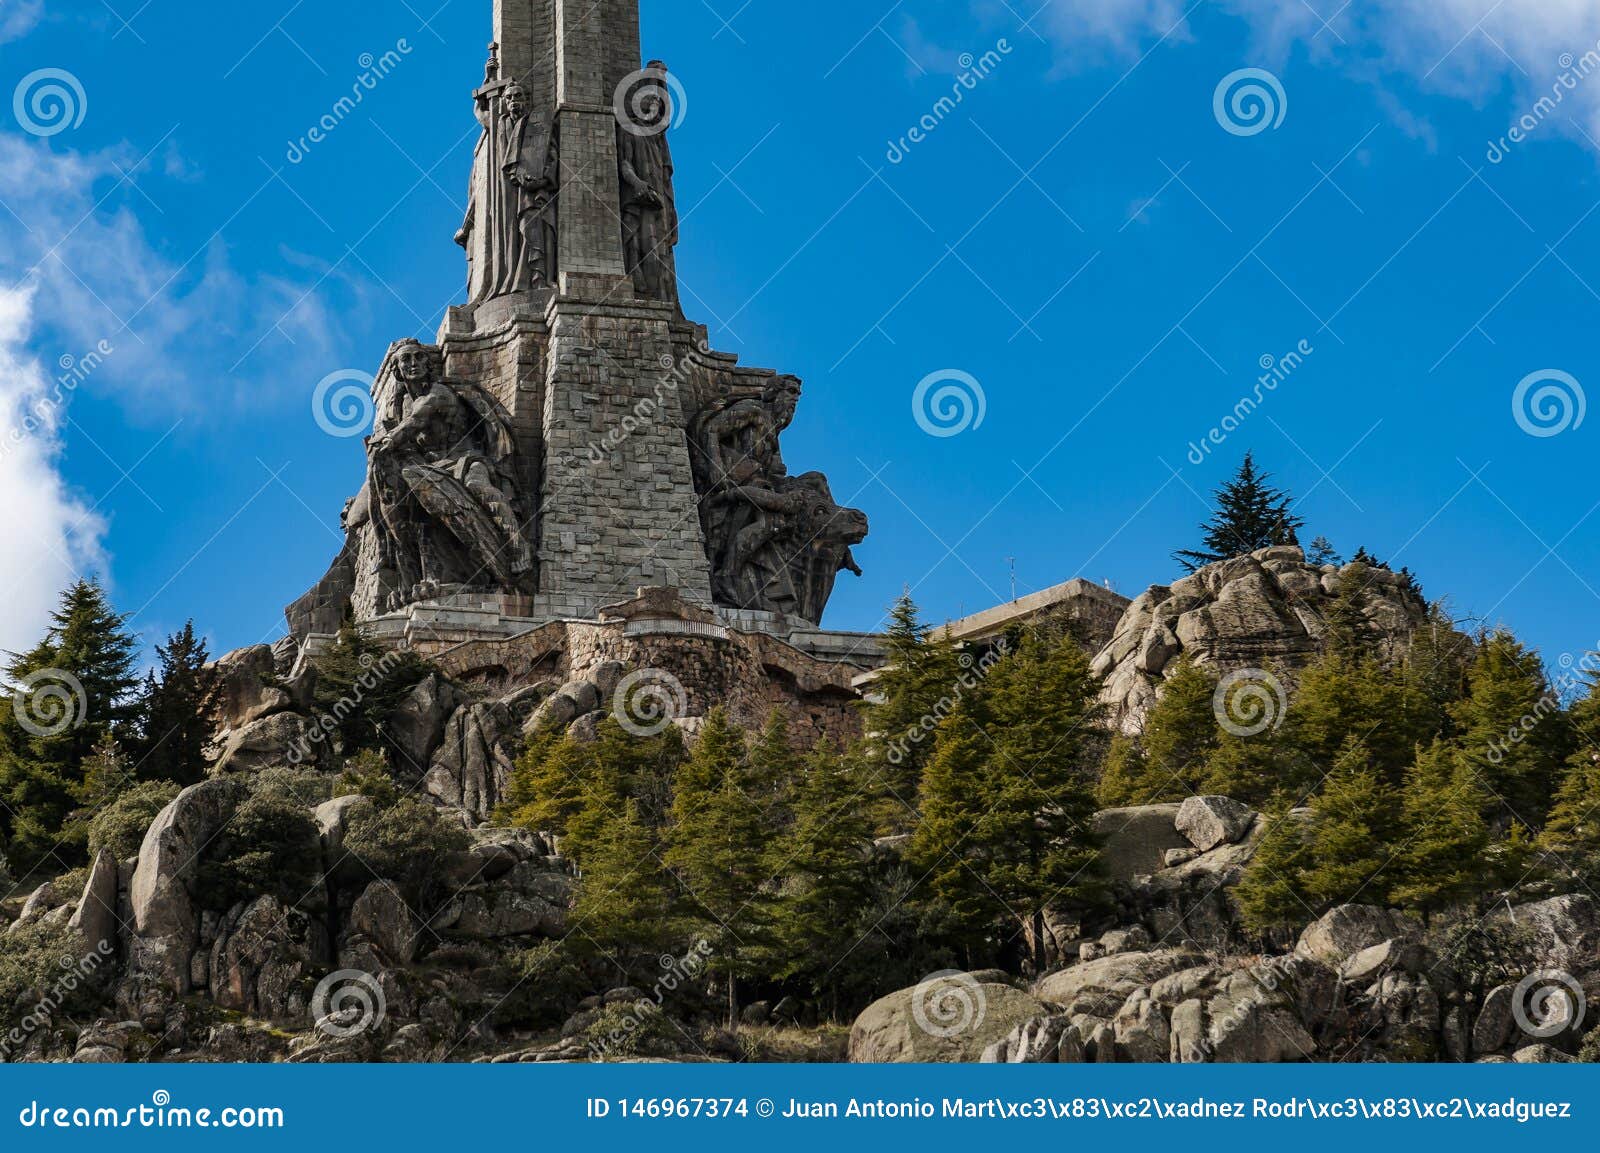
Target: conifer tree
1512, 730
717, 848
1258, 770
827, 872
549, 785
1008, 798
1446, 838
773, 768
624, 898
1270, 894
71, 691
1250, 515
360, 684
178, 711
1322, 553
1354, 830
917, 688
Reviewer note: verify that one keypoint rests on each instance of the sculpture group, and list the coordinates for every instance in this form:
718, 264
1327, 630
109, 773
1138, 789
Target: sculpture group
571, 436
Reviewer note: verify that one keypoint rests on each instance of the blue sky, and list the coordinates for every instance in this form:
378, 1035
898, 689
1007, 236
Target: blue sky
1082, 237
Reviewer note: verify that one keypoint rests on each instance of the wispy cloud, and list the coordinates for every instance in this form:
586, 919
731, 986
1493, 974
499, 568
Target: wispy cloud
1469, 49
18, 17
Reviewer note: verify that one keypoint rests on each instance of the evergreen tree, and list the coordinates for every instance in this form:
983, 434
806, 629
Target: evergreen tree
1270, 894
1169, 762
1437, 664
71, 691
1446, 838
623, 902
918, 687
717, 847
1250, 515
549, 783
1512, 730
827, 872
773, 768
1322, 553
359, 685
1344, 698
178, 711
1354, 831
1573, 831
1258, 770
1020, 823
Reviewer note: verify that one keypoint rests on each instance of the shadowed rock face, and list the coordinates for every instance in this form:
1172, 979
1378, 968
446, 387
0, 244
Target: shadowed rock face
1265, 610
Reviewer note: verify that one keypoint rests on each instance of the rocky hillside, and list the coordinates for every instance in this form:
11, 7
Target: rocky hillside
1176, 980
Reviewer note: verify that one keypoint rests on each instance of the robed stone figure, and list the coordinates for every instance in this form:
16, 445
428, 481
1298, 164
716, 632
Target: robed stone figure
510, 229
649, 210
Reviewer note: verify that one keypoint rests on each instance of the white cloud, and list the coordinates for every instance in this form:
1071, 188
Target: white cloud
1470, 49
18, 18
51, 535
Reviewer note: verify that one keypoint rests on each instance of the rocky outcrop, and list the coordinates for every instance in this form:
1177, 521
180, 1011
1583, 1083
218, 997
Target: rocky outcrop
275, 741
165, 921
1212, 821
472, 765
95, 919
1265, 610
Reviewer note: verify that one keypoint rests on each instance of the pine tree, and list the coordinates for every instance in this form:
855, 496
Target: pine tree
178, 711
1446, 838
1344, 698
1322, 553
1572, 832
919, 686
1182, 728
1022, 822
717, 848
360, 684
622, 910
1271, 895
1512, 730
549, 784
1258, 770
827, 872
1437, 664
1250, 515
73, 689
773, 768
1354, 832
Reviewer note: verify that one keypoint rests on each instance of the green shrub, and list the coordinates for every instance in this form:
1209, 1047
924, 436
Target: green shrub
406, 843
44, 976
121, 825
367, 774
270, 847
624, 1031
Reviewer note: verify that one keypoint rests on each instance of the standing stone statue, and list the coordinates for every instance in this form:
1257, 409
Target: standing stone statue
510, 228
649, 208
440, 479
